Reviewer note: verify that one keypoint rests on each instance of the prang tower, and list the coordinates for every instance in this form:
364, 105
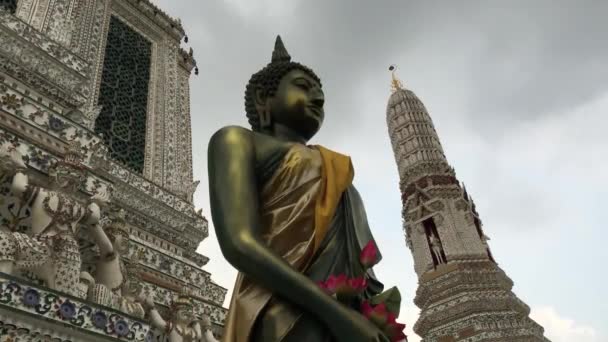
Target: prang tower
463, 294
103, 86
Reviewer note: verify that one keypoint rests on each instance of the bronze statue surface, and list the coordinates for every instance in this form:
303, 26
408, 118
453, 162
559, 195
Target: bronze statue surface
288, 217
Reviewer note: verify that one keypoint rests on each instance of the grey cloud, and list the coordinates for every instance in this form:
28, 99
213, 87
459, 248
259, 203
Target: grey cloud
539, 57
523, 59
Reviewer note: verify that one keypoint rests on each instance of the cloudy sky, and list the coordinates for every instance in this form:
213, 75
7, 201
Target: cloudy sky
518, 92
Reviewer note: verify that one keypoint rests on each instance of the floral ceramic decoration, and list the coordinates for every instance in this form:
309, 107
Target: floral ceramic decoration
79, 314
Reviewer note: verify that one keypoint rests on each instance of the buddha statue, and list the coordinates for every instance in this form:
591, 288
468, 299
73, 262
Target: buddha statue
287, 216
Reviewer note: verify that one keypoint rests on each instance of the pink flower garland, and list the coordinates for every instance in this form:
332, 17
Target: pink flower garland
345, 288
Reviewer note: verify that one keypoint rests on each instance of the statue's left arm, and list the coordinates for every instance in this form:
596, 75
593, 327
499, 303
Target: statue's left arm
363, 235
375, 289
209, 336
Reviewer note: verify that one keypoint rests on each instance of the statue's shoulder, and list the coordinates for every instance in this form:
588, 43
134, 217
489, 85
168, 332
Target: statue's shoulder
260, 146
231, 136
269, 148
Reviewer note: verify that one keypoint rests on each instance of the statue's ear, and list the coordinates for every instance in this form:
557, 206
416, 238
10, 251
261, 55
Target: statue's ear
261, 105
260, 97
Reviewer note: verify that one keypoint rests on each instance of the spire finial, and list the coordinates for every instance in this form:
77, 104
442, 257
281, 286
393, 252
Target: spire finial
280, 53
395, 82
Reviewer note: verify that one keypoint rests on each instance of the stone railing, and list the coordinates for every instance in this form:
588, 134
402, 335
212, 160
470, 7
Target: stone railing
30, 312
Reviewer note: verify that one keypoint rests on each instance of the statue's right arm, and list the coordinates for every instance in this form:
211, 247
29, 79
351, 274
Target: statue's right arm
157, 320
103, 241
235, 212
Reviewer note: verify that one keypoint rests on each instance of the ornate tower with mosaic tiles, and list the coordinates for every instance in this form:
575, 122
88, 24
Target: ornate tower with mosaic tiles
462, 292
110, 77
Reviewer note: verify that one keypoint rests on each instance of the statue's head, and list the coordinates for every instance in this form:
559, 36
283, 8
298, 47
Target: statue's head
182, 309
118, 233
132, 284
66, 177
69, 173
285, 93
86, 278
206, 322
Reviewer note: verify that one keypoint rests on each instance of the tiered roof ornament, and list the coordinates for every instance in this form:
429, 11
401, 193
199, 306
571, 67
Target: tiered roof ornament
164, 20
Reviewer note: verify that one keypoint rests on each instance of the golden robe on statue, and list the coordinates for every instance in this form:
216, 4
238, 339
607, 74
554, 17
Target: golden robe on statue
314, 219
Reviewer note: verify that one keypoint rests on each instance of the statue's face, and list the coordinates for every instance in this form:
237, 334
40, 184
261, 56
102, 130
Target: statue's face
184, 315
121, 244
206, 321
67, 179
132, 286
298, 104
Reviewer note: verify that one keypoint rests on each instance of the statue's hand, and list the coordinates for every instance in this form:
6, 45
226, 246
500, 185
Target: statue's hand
19, 184
94, 213
101, 198
98, 200
146, 301
356, 328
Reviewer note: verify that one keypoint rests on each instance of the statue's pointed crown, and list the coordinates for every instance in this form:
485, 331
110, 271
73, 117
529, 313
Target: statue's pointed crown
280, 53
184, 299
74, 154
73, 159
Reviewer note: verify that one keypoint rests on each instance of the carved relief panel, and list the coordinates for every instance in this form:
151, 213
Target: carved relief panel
423, 261
54, 18
471, 241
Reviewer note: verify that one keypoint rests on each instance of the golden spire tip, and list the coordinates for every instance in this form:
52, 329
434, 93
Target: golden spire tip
395, 82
